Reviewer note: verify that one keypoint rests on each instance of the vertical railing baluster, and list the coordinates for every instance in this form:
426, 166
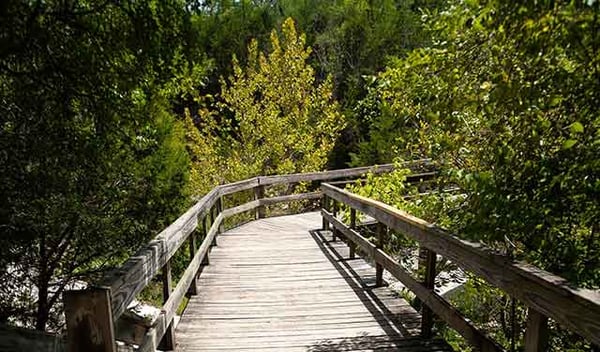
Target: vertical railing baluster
213, 217
219, 211
334, 212
381, 240
351, 244
259, 193
536, 335
205, 260
429, 283
168, 341
193, 289
325, 206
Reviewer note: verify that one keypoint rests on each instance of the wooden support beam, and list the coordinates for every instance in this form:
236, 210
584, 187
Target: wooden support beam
193, 290
325, 206
536, 335
168, 341
334, 211
213, 216
429, 283
259, 193
205, 261
577, 309
381, 240
89, 320
219, 210
351, 244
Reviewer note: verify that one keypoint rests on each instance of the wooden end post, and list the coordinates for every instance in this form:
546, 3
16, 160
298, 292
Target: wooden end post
259, 193
90, 325
352, 245
334, 212
325, 207
381, 239
193, 289
168, 341
429, 283
536, 335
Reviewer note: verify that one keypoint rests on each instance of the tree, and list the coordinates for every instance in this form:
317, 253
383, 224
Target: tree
93, 160
271, 117
506, 100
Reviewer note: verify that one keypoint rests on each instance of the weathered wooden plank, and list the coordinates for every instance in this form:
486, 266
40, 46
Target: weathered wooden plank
351, 244
576, 309
174, 300
429, 283
241, 208
17, 340
239, 186
367, 247
245, 304
381, 241
89, 320
436, 303
536, 334
342, 173
324, 175
259, 193
290, 198
167, 343
135, 274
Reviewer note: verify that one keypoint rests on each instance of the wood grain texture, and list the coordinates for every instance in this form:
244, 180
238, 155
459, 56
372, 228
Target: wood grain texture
435, 302
89, 321
342, 173
155, 334
576, 309
280, 284
536, 334
135, 274
239, 186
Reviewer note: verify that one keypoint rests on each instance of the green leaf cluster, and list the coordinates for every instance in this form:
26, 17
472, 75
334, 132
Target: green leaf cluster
271, 117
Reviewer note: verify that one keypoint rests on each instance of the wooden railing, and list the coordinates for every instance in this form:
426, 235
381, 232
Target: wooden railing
545, 294
91, 314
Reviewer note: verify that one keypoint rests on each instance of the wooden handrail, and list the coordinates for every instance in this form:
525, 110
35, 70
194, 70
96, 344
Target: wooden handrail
545, 293
122, 285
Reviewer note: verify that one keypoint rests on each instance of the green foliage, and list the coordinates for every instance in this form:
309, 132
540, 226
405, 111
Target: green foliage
506, 101
281, 120
509, 106
93, 160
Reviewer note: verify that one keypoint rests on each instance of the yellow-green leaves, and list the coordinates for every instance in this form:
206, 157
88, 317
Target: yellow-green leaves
284, 121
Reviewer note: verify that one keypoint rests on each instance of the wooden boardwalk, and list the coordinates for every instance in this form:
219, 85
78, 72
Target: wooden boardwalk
281, 284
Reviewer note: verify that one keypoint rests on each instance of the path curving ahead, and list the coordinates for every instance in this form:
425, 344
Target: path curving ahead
280, 284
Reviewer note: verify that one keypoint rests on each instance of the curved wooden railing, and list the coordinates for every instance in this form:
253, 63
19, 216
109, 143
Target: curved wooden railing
546, 295
91, 314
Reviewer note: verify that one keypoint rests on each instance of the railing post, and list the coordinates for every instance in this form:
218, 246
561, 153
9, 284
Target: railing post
352, 245
212, 221
429, 283
219, 211
205, 260
193, 289
381, 239
259, 193
325, 207
334, 212
168, 341
536, 335
89, 320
